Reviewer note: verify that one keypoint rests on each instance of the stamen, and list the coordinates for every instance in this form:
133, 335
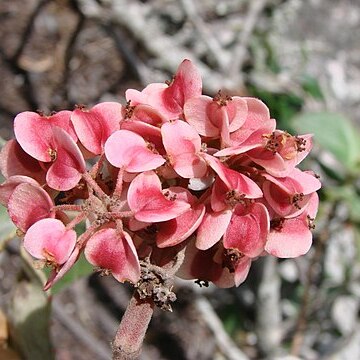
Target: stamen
230, 259
221, 99
277, 224
129, 110
53, 154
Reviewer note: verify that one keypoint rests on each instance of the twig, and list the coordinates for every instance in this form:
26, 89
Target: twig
217, 52
268, 312
90, 341
224, 342
256, 6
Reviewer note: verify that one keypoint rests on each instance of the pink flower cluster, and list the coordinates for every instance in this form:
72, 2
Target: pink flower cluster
171, 169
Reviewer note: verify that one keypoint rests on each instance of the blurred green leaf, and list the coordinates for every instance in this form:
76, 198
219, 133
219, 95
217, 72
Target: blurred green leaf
80, 269
312, 87
334, 132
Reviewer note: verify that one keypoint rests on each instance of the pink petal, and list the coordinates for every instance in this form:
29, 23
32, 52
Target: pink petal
234, 180
212, 228
182, 144
109, 249
125, 149
15, 161
94, 126
293, 239
174, 231
242, 270
28, 204
248, 229
8, 187
201, 265
69, 165
196, 114
147, 201
34, 132
146, 114
48, 239
186, 84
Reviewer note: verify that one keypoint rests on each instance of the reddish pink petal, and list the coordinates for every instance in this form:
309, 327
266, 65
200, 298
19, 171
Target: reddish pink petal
69, 165
147, 114
49, 240
34, 132
234, 180
173, 232
109, 249
94, 126
148, 203
15, 161
8, 187
212, 228
29, 203
125, 149
292, 239
242, 270
248, 229
185, 85
201, 265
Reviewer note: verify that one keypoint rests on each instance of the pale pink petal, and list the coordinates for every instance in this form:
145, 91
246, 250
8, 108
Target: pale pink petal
29, 203
196, 114
34, 132
69, 165
94, 126
212, 228
15, 161
292, 239
248, 229
125, 149
147, 114
149, 204
48, 239
114, 251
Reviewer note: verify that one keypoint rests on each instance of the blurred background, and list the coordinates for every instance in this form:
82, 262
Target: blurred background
302, 58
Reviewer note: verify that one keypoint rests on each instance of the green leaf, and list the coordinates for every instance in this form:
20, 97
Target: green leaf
80, 269
334, 132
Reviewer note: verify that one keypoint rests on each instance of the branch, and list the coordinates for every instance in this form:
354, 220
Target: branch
224, 342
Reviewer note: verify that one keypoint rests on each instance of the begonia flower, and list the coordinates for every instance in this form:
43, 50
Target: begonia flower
175, 231
34, 132
288, 195
68, 163
148, 202
169, 99
94, 126
129, 151
49, 240
112, 250
183, 147
292, 237
216, 117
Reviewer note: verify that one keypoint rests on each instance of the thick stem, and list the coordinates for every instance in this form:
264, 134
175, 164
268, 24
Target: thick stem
131, 332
